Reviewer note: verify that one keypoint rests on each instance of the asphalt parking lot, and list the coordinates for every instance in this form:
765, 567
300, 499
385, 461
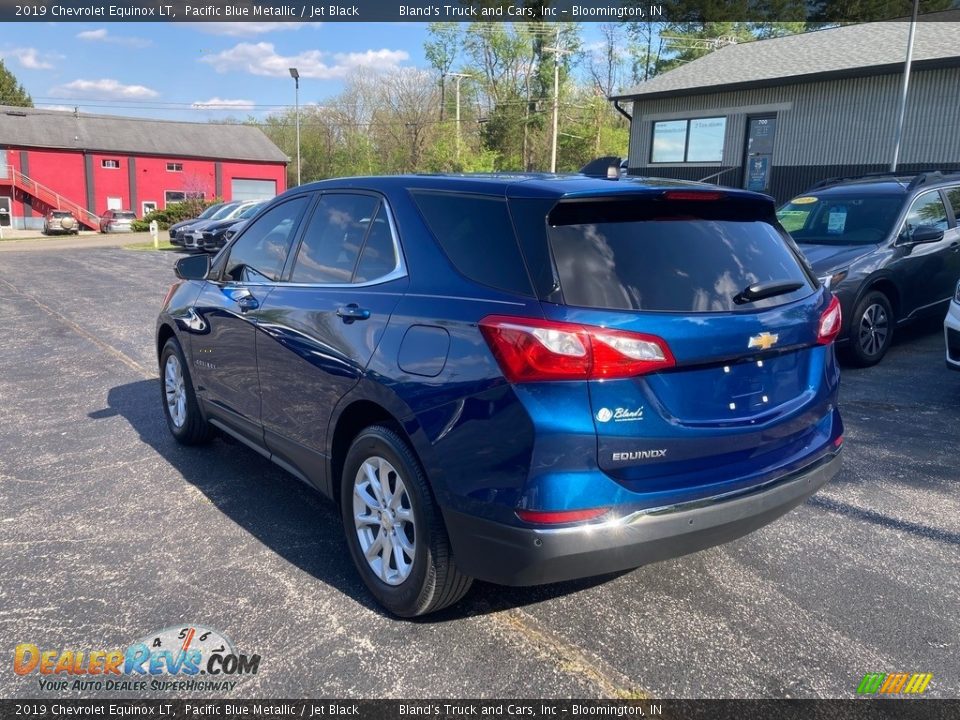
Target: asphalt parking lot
111, 531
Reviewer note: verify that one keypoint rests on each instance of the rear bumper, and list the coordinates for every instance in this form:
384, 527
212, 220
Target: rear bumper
509, 555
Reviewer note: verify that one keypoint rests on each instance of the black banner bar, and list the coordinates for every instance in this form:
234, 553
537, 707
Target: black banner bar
860, 709
810, 11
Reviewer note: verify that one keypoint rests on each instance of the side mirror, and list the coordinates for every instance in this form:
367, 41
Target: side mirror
195, 267
927, 234
922, 234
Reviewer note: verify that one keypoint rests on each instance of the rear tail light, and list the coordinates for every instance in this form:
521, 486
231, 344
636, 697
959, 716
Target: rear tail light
556, 517
829, 323
692, 195
531, 350
838, 441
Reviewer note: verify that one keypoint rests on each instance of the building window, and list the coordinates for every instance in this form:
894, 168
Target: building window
174, 167
699, 140
178, 196
110, 164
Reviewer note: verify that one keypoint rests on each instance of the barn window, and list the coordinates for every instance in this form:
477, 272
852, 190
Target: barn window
174, 167
110, 164
695, 140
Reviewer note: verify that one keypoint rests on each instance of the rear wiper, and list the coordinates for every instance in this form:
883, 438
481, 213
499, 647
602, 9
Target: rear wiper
762, 290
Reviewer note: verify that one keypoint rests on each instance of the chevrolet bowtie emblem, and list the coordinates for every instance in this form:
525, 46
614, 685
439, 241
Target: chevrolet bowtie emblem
764, 341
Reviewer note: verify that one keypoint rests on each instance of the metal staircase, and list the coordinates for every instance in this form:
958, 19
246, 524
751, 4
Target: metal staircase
9, 175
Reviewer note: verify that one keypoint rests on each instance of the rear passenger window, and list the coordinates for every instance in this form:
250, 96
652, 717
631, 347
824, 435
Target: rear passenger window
334, 238
927, 210
379, 256
953, 195
476, 234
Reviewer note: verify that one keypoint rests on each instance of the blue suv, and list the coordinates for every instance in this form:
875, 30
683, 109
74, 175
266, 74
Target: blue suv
517, 378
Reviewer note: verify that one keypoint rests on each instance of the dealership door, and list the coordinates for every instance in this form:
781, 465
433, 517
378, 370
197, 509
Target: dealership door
758, 158
5, 211
252, 189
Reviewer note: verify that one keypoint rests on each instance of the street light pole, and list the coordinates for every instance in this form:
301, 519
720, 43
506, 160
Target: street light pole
295, 74
901, 116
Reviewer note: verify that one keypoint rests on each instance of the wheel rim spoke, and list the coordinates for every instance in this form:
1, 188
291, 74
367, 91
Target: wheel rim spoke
384, 520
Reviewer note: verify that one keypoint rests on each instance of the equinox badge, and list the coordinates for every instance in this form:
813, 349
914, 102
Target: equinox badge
764, 341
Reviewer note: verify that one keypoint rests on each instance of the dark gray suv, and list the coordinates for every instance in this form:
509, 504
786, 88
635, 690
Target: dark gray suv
886, 245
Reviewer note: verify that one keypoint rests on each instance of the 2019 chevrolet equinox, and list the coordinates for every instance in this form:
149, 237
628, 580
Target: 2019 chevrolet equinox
522, 379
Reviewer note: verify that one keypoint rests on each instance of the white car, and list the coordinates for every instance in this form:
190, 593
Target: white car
951, 331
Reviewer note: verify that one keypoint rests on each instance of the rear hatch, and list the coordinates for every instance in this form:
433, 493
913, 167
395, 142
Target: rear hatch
713, 280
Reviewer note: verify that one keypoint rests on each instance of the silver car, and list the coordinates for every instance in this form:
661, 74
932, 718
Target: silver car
113, 221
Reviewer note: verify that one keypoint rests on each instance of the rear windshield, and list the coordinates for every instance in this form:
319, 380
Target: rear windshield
841, 220
125, 216
61, 214
668, 259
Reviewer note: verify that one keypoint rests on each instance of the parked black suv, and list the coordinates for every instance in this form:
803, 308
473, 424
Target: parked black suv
888, 246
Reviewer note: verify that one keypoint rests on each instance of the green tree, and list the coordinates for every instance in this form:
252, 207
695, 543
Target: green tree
11, 91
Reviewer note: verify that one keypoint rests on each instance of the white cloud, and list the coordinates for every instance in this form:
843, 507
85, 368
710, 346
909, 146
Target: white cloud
216, 103
56, 108
103, 35
246, 29
105, 89
262, 59
30, 59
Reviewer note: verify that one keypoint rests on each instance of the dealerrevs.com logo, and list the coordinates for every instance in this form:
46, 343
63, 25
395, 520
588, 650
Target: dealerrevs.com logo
189, 658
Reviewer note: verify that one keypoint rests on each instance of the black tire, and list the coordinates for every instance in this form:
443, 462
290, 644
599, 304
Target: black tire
871, 330
434, 582
193, 429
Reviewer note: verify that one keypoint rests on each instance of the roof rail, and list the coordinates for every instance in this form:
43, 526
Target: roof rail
843, 178
932, 176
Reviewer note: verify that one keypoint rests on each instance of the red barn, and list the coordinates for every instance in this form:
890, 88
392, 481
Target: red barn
92, 163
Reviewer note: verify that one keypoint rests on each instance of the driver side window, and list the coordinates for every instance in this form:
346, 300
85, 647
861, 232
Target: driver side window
927, 210
259, 254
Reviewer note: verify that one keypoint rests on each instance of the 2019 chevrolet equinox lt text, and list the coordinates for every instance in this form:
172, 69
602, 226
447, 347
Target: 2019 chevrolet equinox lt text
521, 379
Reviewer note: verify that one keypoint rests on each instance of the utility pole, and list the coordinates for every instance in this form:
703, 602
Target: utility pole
459, 77
901, 116
557, 52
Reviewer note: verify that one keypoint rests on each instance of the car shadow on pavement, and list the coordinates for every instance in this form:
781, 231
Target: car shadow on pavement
293, 520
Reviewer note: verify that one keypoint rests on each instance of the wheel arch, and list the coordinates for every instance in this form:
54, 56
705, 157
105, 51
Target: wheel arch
886, 285
164, 332
359, 410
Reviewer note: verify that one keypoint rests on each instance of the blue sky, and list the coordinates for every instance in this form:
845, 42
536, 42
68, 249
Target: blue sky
172, 70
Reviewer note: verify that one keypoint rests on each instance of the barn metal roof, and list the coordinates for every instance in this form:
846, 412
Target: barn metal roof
34, 127
865, 49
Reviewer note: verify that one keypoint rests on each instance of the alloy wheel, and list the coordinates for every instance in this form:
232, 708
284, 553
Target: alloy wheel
874, 328
175, 391
384, 521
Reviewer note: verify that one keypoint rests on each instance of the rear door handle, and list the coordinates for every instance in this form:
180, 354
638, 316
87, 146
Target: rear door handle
351, 312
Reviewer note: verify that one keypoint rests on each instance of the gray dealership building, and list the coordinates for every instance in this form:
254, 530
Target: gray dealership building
777, 115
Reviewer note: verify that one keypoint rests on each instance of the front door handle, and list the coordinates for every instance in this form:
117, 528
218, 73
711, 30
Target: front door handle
244, 300
351, 312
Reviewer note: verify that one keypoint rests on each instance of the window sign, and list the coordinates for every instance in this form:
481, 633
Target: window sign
837, 220
697, 140
669, 141
705, 142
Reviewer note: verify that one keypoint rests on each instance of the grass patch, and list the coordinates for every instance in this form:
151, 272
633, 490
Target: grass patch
148, 245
